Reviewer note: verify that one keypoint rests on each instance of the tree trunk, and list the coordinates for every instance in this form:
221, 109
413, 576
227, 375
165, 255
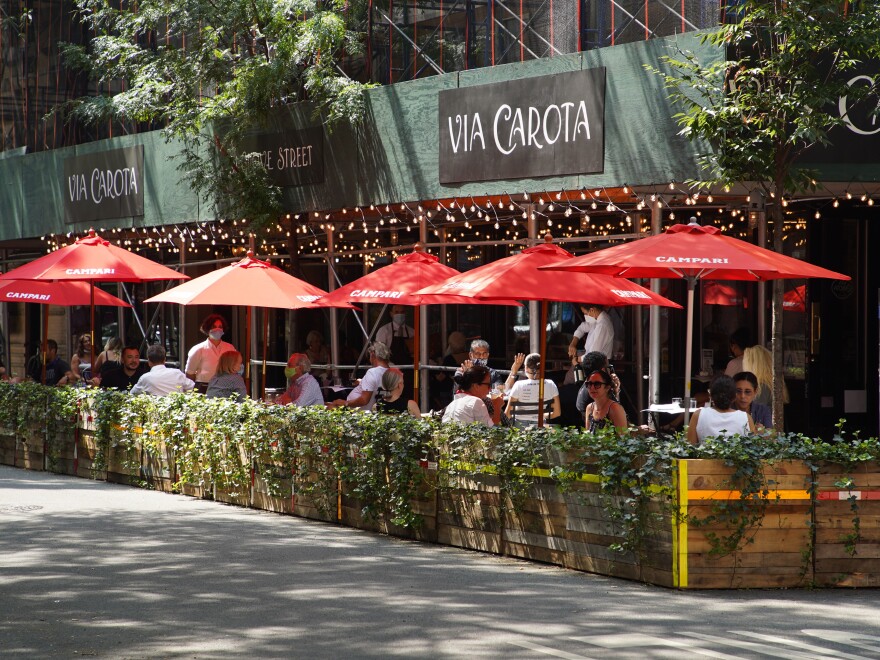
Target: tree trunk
777, 214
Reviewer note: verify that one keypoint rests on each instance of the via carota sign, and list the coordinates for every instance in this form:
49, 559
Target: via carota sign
534, 127
104, 185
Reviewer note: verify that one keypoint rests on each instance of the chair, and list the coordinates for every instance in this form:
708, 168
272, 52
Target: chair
520, 408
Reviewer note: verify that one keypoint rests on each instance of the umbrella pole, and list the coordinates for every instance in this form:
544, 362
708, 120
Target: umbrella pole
92, 327
541, 370
689, 345
265, 348
247, 351
45, 341
416, 344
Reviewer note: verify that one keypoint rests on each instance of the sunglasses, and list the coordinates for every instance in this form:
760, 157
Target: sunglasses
596, 383
489, 384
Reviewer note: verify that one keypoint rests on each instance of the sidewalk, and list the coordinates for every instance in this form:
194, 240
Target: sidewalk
95, 569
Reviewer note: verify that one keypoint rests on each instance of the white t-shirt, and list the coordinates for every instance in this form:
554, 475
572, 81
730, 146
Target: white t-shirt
467, 409
711, 423
371, 382
526, 391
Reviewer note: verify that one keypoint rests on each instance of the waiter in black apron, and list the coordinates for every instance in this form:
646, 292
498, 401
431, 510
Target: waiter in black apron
399, 338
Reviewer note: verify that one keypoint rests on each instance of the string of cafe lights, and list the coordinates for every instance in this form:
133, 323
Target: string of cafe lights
376, 230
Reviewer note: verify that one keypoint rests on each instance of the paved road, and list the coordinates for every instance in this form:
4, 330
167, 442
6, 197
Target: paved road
95, 569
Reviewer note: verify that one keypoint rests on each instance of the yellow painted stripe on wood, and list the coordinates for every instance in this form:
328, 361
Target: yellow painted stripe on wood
679, 521
736, 494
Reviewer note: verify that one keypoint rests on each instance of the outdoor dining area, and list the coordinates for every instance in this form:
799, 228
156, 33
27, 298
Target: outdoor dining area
536, 277
624, 500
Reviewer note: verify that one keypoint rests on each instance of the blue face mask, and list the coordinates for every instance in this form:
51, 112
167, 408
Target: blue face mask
216, 335
479, 362
399, 319
241, 369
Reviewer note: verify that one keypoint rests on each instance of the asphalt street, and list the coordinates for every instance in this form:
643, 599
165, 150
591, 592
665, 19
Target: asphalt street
95, 569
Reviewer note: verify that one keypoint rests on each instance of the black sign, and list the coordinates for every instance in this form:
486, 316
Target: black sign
104, 185
534, 127
292, 158
857, 139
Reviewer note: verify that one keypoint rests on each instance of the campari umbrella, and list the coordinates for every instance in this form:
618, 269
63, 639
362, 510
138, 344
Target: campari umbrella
248, 283
691, 252
795, 300
519, 276
93, 259
718, 293
64, 294
399, 283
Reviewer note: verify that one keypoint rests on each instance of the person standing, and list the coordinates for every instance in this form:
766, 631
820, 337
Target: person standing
125, 377
160, 380
523, 401
202, 360
581, 331
227, 380
601, 337
363, 396
398, 336
740, 340
303, 389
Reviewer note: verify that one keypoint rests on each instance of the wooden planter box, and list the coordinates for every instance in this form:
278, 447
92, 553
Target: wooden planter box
86, 452
279, 502
469, 513
845, 556
60, 456
7, 447
313, 505
775, 554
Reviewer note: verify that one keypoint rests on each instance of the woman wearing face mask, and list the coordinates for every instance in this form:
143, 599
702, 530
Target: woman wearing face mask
302, 388
227, 381
202, 360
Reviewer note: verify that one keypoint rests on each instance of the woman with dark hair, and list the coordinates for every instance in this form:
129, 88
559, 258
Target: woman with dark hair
603, 411
390, 398
468, 406
202, 360
722, 417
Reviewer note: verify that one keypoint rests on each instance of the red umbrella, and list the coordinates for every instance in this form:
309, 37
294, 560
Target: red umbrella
692, 252
249, 283
716, 293
399, 283
93, 259
795, 300
66, 294
519, 275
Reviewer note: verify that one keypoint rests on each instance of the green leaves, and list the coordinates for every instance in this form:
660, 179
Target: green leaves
198, 68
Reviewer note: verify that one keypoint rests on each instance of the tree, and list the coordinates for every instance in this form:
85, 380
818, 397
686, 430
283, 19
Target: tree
775, 98
209, 71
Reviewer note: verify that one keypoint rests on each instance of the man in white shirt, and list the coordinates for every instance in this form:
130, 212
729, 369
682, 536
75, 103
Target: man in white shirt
160, 380
601, 337
586, 326
363, 396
